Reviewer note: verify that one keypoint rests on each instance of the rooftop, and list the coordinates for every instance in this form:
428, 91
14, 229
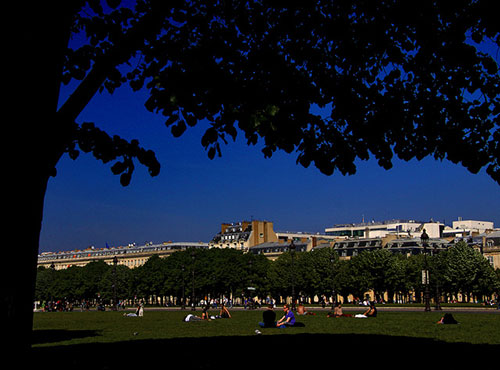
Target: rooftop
386, 222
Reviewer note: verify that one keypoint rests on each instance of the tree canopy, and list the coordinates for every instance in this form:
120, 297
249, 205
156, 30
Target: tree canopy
334, 81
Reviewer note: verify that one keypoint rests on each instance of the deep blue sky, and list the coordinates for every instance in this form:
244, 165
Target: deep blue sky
86, 205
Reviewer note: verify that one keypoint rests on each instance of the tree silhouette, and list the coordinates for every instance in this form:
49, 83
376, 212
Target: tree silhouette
391, 78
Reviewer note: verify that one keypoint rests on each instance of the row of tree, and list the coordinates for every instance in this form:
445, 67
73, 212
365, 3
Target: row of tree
458, 272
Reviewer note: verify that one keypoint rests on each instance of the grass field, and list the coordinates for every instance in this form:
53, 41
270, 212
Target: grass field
109, 340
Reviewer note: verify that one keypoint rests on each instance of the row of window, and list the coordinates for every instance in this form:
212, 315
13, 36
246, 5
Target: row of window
113, 252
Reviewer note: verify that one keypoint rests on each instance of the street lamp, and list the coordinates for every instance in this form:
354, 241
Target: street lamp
115, 262
183, 303
334, 296
250, 286
425, 274
292, 253
193, 257
438, 303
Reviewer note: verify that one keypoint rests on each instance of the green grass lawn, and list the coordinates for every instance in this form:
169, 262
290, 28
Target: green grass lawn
80, 337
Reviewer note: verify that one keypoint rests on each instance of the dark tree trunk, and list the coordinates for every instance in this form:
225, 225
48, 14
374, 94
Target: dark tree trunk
19, 285
35, 142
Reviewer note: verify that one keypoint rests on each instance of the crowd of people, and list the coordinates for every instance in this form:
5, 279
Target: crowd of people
287, 320
268, 315
64, 305
57, 306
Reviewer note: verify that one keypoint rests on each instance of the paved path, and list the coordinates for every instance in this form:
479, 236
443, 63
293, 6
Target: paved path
352, 308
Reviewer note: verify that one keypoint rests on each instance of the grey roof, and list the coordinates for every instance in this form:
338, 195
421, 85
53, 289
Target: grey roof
277, 245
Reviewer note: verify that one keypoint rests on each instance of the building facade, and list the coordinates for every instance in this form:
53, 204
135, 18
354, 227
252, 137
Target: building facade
243, 235
259, 237
130, 256
467, 228
487, 243
381, 229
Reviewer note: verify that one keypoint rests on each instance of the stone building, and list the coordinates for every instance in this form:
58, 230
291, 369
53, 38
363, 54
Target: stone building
130, 256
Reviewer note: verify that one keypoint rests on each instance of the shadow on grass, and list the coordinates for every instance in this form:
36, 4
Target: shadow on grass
53, 336
262, 352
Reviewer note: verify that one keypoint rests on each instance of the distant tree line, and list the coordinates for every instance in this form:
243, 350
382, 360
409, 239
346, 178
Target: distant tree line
215, 273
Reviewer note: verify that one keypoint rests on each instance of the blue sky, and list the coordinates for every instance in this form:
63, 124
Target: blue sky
86, 205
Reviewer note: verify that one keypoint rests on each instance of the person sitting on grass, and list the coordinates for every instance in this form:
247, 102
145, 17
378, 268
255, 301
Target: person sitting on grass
337, 311
268, 318
301, 310
204, 314
447, 319
288, 318
139, 311
370, 312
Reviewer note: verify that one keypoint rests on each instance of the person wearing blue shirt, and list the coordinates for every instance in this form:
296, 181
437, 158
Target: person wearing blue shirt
288, 319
